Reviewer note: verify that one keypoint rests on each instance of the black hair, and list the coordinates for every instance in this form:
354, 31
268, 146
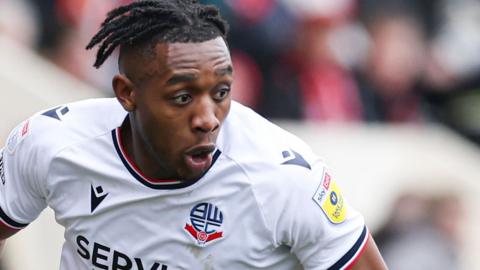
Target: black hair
152, 21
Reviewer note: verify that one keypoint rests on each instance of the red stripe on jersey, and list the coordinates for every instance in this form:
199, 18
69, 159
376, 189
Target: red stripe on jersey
9, 227
136, 169
359, 253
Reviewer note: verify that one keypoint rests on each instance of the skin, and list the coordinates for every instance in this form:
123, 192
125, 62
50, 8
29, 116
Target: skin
161, 130
370, 259
176, 103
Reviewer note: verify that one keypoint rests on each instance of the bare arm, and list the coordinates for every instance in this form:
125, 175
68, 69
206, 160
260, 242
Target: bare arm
370, 259
4, 233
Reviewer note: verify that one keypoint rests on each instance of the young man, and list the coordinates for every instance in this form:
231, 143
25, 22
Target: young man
174, 175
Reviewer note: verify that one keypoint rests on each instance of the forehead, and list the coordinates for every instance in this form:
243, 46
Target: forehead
166, 58
184, 55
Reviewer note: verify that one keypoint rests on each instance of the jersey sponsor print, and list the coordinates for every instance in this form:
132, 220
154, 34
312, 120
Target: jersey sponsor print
117, 218
105, 257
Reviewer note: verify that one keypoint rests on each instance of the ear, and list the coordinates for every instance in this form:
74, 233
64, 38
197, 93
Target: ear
124, 91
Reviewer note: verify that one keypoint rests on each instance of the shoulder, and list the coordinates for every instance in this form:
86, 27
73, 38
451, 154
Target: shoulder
248, 138
57, 127
286, 182
277, 164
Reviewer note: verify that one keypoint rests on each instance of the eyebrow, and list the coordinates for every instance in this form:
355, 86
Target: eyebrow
190, 77
182, 78
224, 71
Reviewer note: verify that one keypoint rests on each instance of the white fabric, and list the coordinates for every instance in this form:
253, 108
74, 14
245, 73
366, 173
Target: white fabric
257, 205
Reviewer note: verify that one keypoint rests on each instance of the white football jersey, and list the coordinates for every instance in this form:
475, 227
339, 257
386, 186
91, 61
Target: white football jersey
267, 202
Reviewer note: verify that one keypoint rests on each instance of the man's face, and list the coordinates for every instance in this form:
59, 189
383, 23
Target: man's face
181, 105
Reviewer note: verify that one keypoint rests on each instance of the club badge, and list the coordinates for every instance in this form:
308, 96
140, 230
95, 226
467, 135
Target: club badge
205, 223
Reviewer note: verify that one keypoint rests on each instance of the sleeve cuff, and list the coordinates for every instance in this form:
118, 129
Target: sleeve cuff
9, 223
353, 254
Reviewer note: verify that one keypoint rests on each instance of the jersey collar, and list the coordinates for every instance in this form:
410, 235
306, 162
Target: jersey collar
148, 181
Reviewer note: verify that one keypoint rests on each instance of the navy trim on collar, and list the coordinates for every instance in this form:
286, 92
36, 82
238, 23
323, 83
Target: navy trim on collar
157, 184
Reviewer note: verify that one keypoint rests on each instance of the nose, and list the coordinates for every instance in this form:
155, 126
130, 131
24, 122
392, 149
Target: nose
204, 119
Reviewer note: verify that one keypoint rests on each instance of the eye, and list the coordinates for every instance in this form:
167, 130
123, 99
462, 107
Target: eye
182, 99
222, 93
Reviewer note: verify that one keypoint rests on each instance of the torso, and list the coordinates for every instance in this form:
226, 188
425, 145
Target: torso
231, 218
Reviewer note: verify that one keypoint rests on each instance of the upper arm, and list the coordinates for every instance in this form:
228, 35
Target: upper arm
369, 259
21, 171
6, 229
309, 214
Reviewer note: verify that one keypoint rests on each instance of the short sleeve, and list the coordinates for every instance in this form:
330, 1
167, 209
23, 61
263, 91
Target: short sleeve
310, 215
21, 172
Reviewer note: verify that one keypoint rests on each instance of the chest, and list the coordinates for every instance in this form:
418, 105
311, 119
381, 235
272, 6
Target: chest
113, 221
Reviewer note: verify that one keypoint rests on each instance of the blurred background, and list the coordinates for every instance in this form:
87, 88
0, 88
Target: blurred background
388, 92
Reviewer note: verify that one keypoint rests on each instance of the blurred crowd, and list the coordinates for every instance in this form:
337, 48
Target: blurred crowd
394, 61
422, 232
342, 61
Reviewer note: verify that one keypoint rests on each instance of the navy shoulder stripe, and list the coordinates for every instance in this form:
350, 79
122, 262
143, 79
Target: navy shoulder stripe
351, 254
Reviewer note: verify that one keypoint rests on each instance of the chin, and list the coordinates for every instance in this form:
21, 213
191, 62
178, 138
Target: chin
191, 176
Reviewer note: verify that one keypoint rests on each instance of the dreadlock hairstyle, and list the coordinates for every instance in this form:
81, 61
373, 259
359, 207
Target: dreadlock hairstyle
152, 21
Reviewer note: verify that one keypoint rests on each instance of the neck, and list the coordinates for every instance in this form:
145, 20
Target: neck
141, 154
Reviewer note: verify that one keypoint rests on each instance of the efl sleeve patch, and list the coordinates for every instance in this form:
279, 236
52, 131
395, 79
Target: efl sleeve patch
330, 200
2, 171
19, 133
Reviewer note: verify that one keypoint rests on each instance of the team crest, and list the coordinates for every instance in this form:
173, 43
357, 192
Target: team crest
205, 223
330, 200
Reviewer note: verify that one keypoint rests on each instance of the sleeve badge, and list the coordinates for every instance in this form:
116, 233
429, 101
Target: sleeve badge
17, 135
330, 200
2, 170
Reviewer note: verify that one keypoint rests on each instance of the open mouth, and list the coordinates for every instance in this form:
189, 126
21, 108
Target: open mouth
200, 158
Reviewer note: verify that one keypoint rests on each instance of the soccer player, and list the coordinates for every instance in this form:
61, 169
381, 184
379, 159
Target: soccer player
172, 174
